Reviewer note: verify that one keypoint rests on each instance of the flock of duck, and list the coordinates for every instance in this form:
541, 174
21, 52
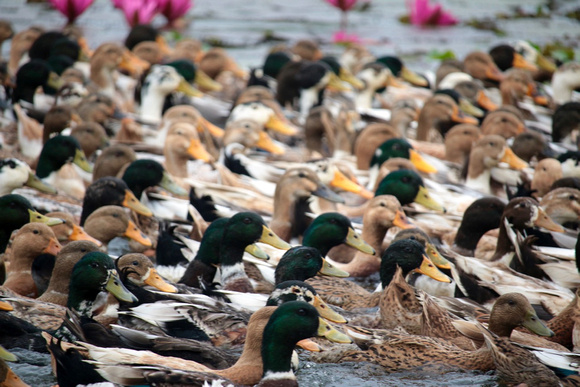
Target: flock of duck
163, 210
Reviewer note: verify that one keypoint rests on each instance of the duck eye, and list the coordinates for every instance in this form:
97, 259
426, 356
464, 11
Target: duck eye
301, 312
94, 265
492, 143
571, 197
382, 204
12, 164
511, 302
406, 179
247, 221
35, 232
135, 263
301, 175
296, 290
333, 221
115, 215
408, 250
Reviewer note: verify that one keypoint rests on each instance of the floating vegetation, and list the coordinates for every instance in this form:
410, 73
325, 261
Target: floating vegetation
486, 24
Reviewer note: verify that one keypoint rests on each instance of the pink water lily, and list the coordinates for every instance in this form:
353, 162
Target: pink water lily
138, 11
71, 8
342, 37
343, 5
174, 9
424, 14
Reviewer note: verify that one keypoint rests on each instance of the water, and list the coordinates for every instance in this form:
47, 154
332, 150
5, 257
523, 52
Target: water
243, 25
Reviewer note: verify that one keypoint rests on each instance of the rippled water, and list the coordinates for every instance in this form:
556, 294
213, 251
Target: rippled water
243, 25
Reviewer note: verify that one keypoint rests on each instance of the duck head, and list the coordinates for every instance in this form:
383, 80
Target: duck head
139, 270
407, 186
512, 310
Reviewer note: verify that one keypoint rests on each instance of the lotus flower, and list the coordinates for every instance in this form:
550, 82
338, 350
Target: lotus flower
174, 9
138, 11
71, 8
423, 14
343, 5
342, 37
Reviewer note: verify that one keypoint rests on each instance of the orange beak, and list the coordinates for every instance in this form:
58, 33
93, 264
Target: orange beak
522, 63
266, 143
133, 232
197, 151
165, 50
79, 234
341, 181
309, 345
484, 101
429, 269
155, 280
461, 118
132, 64
494, 73
543, 220
215, 131
402, 221
53, 247
512, 160
5, 306
134, 204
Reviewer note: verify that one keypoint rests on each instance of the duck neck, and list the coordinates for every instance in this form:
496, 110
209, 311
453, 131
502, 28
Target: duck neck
364, 99
233, 275
103, 77
498, 327
478, 178
468, 236
151, 106
388, 270
424, 126
308, 99
277, 355
176, 163
373, 233
81, 298
24, 93
504, 245
47, 166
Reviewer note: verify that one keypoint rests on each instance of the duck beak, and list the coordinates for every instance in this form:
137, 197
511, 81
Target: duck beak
133, 232
117, 289
347, 76
266, 143
270, 238
186, 88
494, 73
325, 330
326, 311
539, 99
197, 151
165, 50
53, 247
322, 191
205, 82
420, 163
79, 234
331, 271
413, 78
512, 160
5, 355
537, 326
335, 84
428, 268
235, 69
54, 81
402, 221
257, 252
543, 220
424, 199
276, 124
5, 306
522, 63
168, 184
132, 64
134, 204
392, 82
545, 63
34, 182
461, 118
309, 345
155, 280
354, 240
39, 218
341, 181
484, 101
436, 257
469, 108
81, 161
215, 131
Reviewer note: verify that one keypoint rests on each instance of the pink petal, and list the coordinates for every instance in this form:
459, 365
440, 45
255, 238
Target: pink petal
344, 5
343, 37
174, 9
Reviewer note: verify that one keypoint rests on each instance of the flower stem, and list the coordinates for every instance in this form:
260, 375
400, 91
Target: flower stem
343, 21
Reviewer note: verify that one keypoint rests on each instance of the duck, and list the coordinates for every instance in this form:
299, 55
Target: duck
181, 144
440, 112
110, 191
245, 228
108, 222
470, 89
408, 254
17, 211
15, 173
398, 69
29, 242
503, 122
374, 76
565, 79
562, 205
459, 141
58, 286
506, 57
91, 137
69, 231
266, 325
54, 165
547, 171
408, 187
144, 173
387, 347
293, 190
485, 155
528, 145
381, 213
112, 159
